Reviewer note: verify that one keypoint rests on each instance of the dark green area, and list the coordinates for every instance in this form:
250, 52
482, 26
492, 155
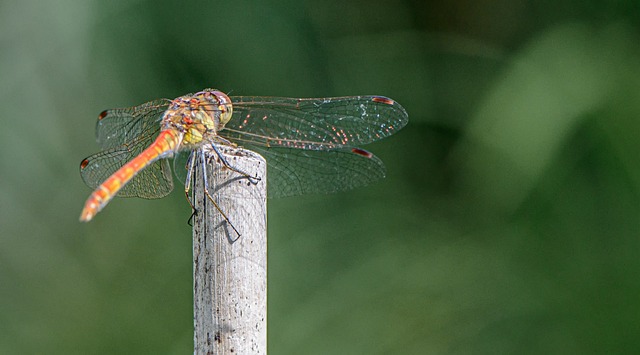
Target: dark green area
509, 221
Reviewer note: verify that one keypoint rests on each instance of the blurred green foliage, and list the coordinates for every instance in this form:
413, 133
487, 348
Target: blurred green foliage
509, 221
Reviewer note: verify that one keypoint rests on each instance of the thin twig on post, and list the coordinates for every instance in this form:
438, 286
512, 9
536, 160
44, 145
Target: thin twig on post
230, 270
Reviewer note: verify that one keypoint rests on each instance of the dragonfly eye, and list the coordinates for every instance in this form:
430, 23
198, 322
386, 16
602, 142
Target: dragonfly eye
224, 106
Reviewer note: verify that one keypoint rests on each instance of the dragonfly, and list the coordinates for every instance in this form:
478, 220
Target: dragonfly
311, 145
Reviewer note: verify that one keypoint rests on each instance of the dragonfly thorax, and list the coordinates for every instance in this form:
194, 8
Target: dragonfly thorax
200, 116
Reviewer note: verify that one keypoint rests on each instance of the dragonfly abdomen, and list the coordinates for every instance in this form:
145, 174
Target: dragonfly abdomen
166, 142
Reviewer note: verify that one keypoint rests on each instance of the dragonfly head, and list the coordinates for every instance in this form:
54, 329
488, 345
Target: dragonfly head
221, 106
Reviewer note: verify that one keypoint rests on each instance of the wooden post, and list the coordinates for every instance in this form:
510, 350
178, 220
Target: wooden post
230, 270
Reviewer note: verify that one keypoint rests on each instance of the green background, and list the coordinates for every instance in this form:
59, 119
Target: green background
509, 221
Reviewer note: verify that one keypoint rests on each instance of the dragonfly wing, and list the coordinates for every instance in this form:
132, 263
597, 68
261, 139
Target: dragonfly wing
318, 124
294, 172
181, 164
123, 134
123, 125
154, 181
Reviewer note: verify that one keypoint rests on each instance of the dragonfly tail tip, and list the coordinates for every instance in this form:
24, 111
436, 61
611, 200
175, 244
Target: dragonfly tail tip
86, 216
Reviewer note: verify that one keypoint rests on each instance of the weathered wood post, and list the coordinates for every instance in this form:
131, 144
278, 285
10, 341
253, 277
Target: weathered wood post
230, 270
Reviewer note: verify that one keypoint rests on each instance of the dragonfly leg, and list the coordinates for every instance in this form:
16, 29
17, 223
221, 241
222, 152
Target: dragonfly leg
206, 192
187, 186
252, 179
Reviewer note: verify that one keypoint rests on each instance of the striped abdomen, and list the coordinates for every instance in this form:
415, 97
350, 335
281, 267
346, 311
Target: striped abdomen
167, 141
